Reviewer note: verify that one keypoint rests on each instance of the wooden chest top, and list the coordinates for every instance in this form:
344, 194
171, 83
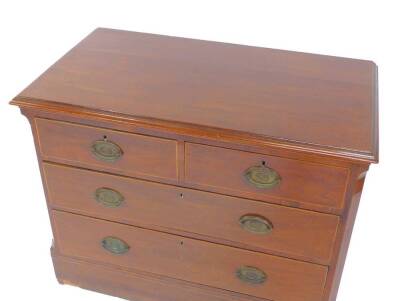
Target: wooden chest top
320, 104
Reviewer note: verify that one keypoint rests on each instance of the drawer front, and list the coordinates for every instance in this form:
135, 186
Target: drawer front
256, 274
255, 225
108, 150
135, 285
261, 177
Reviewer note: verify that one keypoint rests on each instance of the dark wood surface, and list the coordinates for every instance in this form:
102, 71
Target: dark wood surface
301, 182
187, 259
319, 103
307, 185
92, 281
136, 285
345, 230
299, 234
142, 155
191, 116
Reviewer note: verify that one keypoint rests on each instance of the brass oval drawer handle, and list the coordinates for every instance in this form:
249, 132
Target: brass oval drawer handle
255, 224
262, 177
107, 151
115, 245
251, 275
108, 197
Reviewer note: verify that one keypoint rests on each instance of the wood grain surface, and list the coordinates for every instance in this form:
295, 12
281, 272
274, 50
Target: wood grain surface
135, 285
301, 182
299, 234
142, 155
312, 100
190, 117
187, 259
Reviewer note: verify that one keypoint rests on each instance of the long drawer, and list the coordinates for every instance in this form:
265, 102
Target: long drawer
253, 225
109, 150
136, 285
262, 177
233, 269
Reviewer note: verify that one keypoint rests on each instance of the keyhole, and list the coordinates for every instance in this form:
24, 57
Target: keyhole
263, 163
105, 138
181, 195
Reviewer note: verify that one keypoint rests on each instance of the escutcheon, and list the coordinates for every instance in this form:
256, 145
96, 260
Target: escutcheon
107, 151
108, 197
255, 224
115, 245
262, 177
251, 275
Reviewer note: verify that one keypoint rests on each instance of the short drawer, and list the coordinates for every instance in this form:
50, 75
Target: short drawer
263, 177
233, 269
243, 223
108, 150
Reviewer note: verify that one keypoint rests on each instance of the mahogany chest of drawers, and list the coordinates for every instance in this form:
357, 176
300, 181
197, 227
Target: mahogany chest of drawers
178, 169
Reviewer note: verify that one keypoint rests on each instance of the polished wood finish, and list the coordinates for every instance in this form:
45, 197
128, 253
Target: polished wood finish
136, 285
216, 85
190, 118
301, 182
300, 234
142, 155
344, 233
188, 259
